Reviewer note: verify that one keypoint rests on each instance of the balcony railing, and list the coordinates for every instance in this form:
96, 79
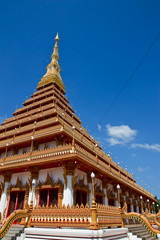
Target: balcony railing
76, 216
36, 155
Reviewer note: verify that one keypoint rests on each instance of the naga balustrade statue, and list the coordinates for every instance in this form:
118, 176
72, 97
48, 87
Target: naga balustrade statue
96, 217
11, 219
144, 220
153, 218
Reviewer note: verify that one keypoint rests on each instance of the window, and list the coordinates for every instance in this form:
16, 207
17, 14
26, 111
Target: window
81, 197
135, 208
53, 197
48, 197
43, 197
99, 199
128, 207
111, 202
122, 204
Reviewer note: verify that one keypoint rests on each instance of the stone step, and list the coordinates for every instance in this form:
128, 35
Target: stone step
150, 238
6, 238
139, 231
13, 232
144, 235
136, 229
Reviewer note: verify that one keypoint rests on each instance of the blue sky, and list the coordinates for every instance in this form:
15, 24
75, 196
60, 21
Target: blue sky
101, 43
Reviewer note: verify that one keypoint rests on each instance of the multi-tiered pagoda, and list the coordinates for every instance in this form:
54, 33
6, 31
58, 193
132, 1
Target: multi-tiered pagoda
44, 144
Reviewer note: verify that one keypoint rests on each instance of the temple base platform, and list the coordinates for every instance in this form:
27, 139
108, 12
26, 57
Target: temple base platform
76, 234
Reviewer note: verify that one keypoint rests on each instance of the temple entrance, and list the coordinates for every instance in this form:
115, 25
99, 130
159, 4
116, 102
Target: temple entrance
16, 201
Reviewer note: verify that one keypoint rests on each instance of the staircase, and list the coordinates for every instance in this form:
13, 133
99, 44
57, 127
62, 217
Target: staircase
140, 231
14, 232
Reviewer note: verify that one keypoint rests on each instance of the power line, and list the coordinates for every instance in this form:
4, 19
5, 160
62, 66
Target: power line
130, 78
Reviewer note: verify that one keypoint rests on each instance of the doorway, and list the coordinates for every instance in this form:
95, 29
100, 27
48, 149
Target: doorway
16, 201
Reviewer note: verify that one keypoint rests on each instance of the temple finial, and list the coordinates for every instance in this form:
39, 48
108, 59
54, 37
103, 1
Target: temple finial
57, 38
55, 51
53, 69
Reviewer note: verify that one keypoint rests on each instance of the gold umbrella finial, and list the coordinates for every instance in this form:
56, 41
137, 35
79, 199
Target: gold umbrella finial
57, 37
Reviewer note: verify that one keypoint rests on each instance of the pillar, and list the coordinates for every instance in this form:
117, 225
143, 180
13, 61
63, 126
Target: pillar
116, 201
68, 187
132, 208
7, 179
137, 207
34, 172
105, 197
104, 186
89, 181
32, 195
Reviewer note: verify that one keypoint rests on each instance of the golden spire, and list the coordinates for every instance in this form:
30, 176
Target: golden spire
53, 69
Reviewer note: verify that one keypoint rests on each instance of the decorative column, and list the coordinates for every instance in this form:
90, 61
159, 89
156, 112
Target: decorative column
141, 198
34, 172
89, 181
153, 207
132, 208
148, 205
137, 207
118, 195
68, 186
94, 224
116, 200
104, 186
3, 206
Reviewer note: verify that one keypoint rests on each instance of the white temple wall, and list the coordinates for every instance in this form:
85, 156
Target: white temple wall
81, 175
98, 182
47, 144
2, 155
23, 177
54, 173
9, 153
51, 144
109, 186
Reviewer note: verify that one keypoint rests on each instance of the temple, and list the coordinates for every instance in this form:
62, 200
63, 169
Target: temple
47, 157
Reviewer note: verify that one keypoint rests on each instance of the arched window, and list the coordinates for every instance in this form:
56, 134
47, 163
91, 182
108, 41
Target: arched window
81, 197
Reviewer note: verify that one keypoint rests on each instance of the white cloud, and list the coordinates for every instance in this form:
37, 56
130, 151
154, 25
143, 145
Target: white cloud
154, 147
99, 127
120, 134
141, 169
133, 155
150, 177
